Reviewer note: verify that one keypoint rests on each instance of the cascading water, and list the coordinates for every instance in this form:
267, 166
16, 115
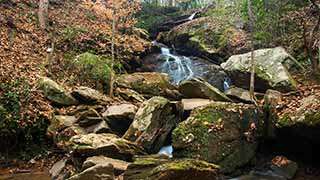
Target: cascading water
179, 68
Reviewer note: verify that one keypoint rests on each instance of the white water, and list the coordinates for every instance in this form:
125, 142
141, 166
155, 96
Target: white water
179, 68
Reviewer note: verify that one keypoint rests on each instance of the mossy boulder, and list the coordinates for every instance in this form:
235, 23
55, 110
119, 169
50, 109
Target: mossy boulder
148, 84
109, 145
305, 121
220, 133
198, 88
152, 124
55, 93
271, 71
207, 37
158, 168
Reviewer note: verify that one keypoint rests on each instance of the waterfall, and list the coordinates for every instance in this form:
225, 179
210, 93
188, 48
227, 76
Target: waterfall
179, 68
192, 16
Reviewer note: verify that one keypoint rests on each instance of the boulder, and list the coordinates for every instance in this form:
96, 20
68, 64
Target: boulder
190, 104
241, 95
98, 172
130, 95
153, 123
118, 165
198, 88
62, 138
105, 144
55, 93
158, 168
120, 117
101, 127
148, 84
88, 96
304, 121
272, 100
57, 168
220, 133
271, 73
207, 37
58, 123
284, 167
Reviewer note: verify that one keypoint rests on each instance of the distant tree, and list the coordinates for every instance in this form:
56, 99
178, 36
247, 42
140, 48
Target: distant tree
120, 14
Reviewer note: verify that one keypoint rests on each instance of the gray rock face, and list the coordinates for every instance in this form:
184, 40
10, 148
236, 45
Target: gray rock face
109, 145
152, 124
118, 165
88, 95
120, 117
97, 172
190, 104
220, 133
101, 127
241, 95
55, 93
57, 168
148, 84
271, 72
198, 88
158, 168
130, 95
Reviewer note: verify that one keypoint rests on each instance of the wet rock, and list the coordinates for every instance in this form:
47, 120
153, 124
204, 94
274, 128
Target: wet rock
109, 145
55, 93
120, 117
271, 73
198, 88
130, 95
118, 165
148, 84
165, 169
241, 95
220, 133
98, 172
152, 124
89, 96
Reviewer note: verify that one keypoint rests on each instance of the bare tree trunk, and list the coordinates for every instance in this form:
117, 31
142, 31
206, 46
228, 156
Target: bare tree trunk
252, 61
312, 40
112, 51
43, 13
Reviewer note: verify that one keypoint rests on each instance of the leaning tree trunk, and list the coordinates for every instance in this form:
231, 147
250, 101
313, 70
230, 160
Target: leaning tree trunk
43, 13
